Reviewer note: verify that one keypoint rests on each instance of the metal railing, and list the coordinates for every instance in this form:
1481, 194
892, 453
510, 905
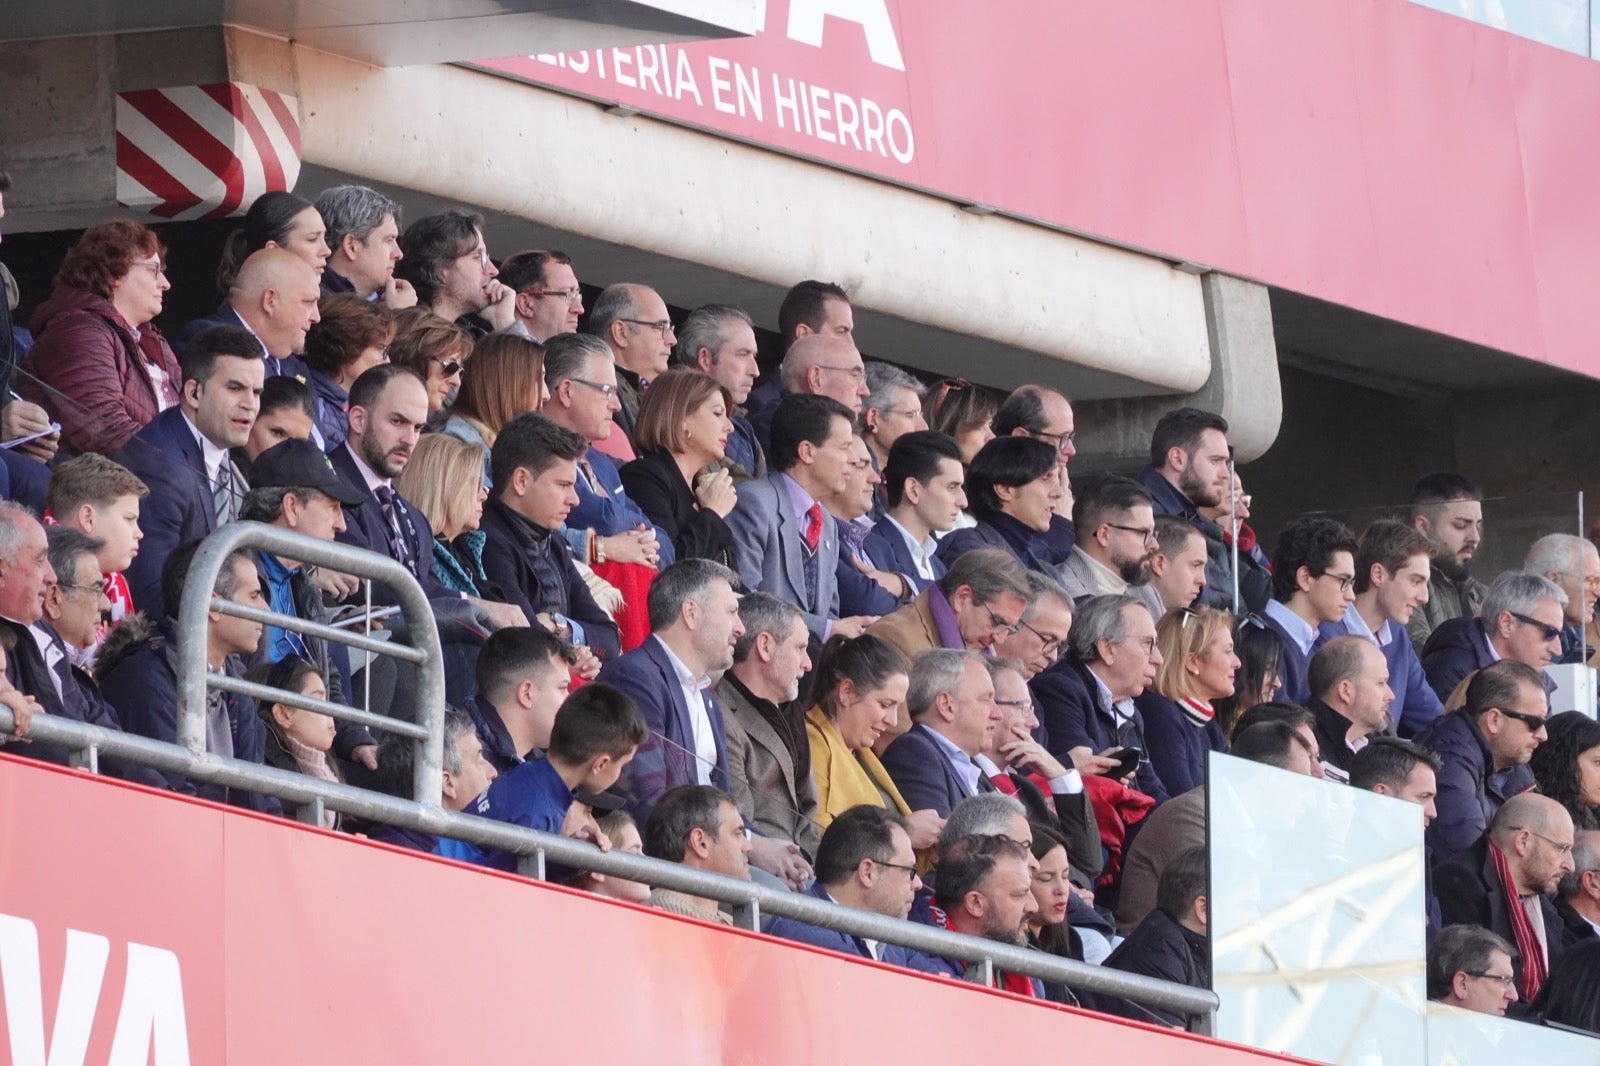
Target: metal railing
747, 899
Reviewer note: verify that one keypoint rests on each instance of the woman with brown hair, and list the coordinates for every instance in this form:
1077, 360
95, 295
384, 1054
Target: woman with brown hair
351, 338
679, 481
441, 481
101, 369
963, 411
504, 379
434, 348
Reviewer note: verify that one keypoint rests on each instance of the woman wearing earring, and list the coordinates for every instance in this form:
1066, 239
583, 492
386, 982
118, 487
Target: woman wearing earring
1198, 666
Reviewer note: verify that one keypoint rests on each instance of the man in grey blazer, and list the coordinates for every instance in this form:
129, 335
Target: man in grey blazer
786, 544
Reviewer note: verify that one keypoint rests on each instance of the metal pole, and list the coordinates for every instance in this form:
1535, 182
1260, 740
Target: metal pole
1233, 522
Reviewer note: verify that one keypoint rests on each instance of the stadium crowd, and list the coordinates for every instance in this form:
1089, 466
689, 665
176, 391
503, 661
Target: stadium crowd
840, 630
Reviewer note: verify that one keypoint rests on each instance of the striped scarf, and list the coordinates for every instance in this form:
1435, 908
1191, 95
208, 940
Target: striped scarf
1527, 940
1199, 712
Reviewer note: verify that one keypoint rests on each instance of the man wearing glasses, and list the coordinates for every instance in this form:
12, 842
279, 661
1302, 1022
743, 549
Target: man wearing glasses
1470, 968
1574, 564
548, 300
1521, 620
447, 263
1484, 749
633, 321
1313, 581
1116, 543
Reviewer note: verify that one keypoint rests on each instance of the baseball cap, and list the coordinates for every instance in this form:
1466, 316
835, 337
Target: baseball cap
302, 465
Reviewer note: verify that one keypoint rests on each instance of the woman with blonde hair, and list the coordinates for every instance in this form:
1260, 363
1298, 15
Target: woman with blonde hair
443, 481
434, 348
679, 480
504, 379
1198, 665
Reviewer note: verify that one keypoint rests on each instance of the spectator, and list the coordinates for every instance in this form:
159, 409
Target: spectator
1573, 564
699, 827
535, 469
1279, 736
677, 482
954, 717
1046, 415
1390, 766
504, 379
433, 348
1349, 679
1258, 679
863, 588
1197, 666
24, 463
1504, 883
721, 341
1014, 486
466, 774
1391, 583
1313, 581
769, 758
363, 233
1566, 766
135, 670
448, 264
288, 412
1448, 510
1469, 967
595, 734
828, 366
811, 307
98, 365
351, 336
1569, 998
923, 490
195, 486
50, 601
632, 322
1086, 700
23, 707
784, 544
442, 480
523, 678
274, 296
298, 740
1522, 618
1232, 514
1178, 567
100, 498
1116, 543
1170, 942
1065, 924
548, 298
275, 220
856, 691
963, 412
583, 397
1189, 470
1042, 630
1485, 747
893, 407
622, 832
985, 889
1578, 894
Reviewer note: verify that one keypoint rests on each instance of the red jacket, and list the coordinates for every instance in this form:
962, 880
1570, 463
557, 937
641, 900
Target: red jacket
92, 374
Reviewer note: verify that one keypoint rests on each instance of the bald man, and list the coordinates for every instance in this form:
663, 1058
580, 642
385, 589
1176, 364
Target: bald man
1505, 882
274, 296
823, 365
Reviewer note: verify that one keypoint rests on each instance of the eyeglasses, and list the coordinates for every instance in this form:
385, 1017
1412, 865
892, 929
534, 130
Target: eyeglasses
1534, 722
1346, 581
480, 253
571, 296
1145, 534
1064, 442
97, 587
447, 367
1561, 849
1550, 632
902, 412
1001, 629
1013, 703
911, 871
156, 269
1504, 979
604, 390
664, 326
856, 373
1591, 584
1147, 643
1050, 645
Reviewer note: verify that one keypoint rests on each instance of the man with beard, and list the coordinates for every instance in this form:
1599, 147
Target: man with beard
1116, 541
1189, 470
985, 889
448, 264
1448, 510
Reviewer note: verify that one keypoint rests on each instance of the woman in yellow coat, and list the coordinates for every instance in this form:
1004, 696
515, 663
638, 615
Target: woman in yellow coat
858, 688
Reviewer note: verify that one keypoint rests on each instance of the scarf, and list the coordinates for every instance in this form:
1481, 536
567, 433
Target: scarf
1197, 711
1527, 940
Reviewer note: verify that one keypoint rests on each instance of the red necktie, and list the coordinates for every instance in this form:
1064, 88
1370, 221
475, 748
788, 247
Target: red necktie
813, 533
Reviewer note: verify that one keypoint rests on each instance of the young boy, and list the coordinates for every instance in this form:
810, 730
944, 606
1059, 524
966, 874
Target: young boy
100, 498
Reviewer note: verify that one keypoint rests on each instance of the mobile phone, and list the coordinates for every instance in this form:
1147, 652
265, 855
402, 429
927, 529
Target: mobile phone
1127, 761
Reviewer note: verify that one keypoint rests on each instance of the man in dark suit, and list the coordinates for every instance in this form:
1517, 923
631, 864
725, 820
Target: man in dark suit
275, 298
922, 484
1521, 619
785, 542
183, 457
954, 717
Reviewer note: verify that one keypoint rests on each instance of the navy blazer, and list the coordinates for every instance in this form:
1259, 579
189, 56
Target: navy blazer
844, 943
364, 528
889, 552
1068, 699
666, 760
999, 530
925, 775
1178, 748
292, 366
166, 456
1456, 648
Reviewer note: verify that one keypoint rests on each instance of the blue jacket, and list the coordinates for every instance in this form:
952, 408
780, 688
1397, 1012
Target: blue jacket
667, 758
1415, 703
613, 513
1294, 665
858, 593
332, 405
925, 775
1456, 648
760, 406
1068, 699
1178, 748
1470, 789
744, 450
291, 366
532, 568
531, 795
498, 746
180, 509
889, 552
844, 943
996, 529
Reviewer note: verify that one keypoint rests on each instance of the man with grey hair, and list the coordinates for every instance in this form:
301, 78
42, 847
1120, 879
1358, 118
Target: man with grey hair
1578, 895
1470, 968
1521, 619
632, 320
831, 366
466, 775
720, 340
363, 234
954, 717
893, 406
1573, 563
1086, 699
769, 757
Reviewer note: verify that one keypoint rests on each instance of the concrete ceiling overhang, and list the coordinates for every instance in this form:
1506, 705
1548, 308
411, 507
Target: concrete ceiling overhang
404, 32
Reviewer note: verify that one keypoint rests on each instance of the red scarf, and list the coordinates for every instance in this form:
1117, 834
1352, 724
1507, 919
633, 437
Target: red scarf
1527, 941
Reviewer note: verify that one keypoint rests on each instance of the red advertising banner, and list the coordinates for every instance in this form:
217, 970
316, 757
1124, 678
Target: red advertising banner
1371, 153
138, 928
